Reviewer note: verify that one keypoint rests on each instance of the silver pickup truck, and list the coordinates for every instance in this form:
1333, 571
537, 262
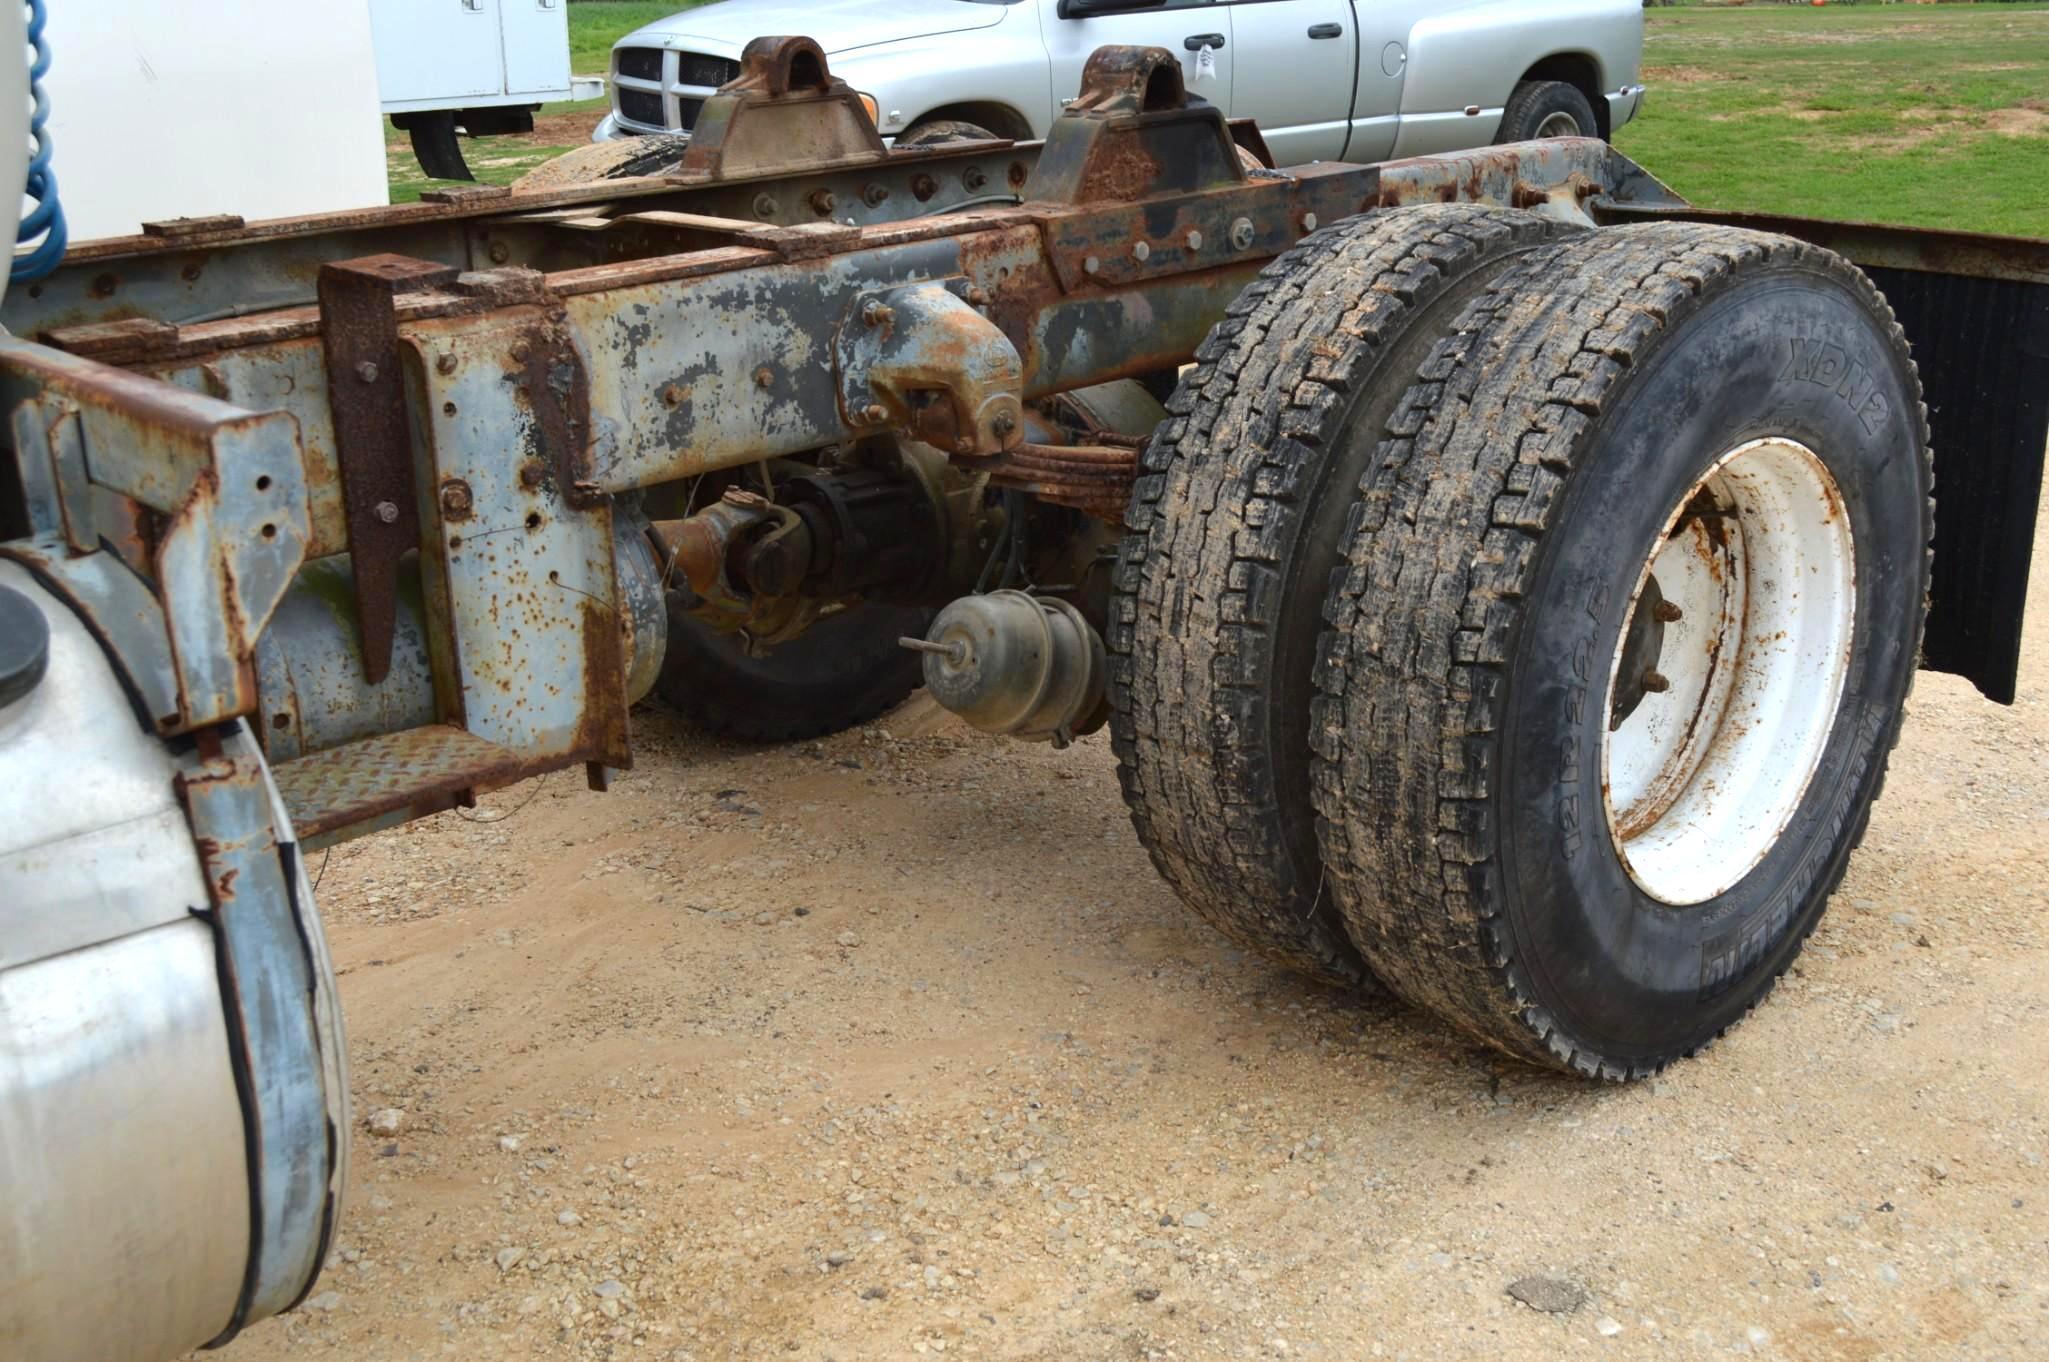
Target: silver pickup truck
1350, 80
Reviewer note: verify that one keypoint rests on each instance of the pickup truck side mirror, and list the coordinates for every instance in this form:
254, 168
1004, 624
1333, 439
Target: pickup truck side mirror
1082, 9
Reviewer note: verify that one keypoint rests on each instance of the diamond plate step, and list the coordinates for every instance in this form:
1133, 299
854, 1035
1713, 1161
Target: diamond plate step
387, 780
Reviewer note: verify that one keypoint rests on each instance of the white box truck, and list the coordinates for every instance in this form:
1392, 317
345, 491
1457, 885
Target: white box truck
446, 67
151, 111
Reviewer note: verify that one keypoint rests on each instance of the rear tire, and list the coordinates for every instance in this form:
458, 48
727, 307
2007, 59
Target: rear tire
1237, 520
1543, 109
940, 131
842, 672
1631, 395
436, 145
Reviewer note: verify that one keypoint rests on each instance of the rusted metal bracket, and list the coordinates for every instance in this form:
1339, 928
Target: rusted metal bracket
367, 396
228, 487
922, 358
520, 580
50, 459
270, 991
548, 375
557, 394
1250, 140
1140, 180
785, 112
1135, 132
1118, 245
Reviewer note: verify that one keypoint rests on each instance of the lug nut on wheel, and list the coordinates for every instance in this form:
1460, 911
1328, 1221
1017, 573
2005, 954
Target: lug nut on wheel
1655, 683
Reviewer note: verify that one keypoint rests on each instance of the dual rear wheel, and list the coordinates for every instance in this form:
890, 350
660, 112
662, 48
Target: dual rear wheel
1521, 618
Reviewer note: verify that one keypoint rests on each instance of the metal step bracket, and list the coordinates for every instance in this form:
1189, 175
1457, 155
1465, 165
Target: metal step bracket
389, 779
228, 484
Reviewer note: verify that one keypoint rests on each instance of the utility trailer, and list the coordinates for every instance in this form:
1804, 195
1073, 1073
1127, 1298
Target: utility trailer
1512, 607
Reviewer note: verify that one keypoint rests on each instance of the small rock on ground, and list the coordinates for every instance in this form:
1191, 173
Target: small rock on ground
1552, 1295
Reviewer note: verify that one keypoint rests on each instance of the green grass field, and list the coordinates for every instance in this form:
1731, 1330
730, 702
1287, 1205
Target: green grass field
594, 25
1924, 115
1933, 116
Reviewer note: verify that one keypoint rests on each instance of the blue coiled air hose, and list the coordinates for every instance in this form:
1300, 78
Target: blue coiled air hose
46, 220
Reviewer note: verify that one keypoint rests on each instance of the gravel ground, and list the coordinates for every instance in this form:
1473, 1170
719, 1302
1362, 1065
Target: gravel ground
894, 1045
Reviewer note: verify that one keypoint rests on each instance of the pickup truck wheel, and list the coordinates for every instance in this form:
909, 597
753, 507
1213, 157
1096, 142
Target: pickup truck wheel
1543, 109
1632, 603
841, 672
436, 144
1236, 521
940, 131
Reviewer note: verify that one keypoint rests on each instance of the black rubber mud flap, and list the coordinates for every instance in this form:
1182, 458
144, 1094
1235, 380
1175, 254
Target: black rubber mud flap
1982, 346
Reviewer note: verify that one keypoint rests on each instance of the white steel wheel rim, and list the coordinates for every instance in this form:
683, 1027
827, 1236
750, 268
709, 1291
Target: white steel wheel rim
1756, 568
1559, 124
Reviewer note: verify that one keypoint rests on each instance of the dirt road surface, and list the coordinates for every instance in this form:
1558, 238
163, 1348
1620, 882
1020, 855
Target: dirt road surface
894, 1046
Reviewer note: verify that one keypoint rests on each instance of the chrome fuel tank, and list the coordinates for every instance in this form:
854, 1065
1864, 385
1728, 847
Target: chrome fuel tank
173, 1123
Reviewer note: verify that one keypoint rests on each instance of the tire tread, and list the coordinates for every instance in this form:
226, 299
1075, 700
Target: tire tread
1224, 491
1421, 620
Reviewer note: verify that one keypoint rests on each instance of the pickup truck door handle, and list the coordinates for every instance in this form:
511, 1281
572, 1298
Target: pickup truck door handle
1326, 30
1195, 42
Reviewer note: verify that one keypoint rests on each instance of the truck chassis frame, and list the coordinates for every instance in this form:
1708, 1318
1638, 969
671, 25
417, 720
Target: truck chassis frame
410, 497
485, 377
